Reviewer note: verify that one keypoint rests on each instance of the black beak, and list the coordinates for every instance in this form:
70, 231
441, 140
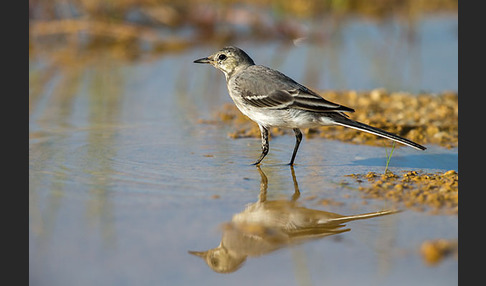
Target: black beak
202, 61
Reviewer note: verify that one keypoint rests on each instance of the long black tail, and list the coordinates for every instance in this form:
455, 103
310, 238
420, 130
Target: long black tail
373, 130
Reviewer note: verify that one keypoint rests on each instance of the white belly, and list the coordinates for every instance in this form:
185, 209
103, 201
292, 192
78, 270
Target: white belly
287, 118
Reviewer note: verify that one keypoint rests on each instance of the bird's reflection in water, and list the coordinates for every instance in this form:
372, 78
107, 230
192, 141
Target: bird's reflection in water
266, 226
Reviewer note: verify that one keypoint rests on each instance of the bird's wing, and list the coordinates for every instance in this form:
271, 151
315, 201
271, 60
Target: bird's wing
277, 99
308, 100
266, 88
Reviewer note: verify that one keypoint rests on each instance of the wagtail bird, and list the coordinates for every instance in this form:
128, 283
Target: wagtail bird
272, 99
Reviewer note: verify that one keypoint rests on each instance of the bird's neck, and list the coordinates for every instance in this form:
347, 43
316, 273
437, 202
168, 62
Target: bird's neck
233, 72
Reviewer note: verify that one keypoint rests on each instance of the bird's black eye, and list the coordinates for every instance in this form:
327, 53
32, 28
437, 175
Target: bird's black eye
222, 57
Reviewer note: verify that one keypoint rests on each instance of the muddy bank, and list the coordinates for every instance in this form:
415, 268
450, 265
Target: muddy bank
436, 250
436, 193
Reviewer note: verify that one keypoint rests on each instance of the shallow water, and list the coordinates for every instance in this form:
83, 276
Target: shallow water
124, 180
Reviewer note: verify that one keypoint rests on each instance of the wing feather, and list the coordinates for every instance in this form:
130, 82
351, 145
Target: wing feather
266, 88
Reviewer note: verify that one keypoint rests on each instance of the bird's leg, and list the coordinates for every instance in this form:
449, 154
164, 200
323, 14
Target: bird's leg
298, 138
265, 145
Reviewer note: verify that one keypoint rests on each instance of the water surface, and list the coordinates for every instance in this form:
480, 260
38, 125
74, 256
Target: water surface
124, 180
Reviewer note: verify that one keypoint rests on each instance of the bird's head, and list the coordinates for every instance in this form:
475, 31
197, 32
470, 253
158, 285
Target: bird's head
228, 60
